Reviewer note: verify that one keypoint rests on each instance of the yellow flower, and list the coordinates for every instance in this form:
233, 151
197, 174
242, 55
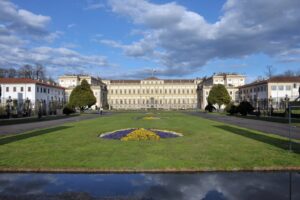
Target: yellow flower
141, 134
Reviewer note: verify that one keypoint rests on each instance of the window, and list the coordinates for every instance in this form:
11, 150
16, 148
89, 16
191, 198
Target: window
295, 85
280, 87
14, 89
48, 91
288, 87
273, 87
45, 90
29, 89
230, 92
7, 89
22, 89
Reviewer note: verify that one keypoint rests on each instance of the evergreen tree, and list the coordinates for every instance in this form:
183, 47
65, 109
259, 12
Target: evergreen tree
218, 95
82, 96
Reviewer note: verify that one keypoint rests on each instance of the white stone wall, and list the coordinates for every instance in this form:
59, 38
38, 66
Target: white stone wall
31, 91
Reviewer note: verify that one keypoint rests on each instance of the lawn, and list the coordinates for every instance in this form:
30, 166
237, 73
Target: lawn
206, 145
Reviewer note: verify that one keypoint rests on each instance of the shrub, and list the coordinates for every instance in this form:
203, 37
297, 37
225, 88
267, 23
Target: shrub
82, 96
68, 110
231, 108
245, 108
3, 113
218, 95
210, 108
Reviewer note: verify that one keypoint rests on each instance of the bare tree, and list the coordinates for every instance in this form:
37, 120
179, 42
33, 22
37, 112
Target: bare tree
11, 73
270, 70
26, 71
289, 73
39, 72
3, 73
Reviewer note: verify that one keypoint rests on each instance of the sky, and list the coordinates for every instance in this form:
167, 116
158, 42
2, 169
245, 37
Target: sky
127, 39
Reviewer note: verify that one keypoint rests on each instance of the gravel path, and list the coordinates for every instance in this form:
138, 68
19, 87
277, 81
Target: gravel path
263, 126
21, 128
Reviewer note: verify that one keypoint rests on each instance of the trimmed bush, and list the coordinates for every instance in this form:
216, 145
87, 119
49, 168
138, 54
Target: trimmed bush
245, 108
68, 110
210, 108
231, 109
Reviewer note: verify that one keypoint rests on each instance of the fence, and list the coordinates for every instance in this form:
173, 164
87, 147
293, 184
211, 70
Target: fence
26, 108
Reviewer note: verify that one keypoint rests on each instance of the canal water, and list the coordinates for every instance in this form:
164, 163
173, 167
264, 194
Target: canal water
201, 186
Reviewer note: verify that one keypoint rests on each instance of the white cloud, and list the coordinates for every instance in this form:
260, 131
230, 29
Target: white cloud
184, 40
71, 25
21, 21
22, 34
94, 5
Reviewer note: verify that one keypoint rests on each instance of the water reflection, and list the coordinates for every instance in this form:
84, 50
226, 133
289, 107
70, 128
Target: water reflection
206, 186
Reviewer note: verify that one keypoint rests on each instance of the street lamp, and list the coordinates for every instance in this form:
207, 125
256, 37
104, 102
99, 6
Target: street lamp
270, 105
286, 100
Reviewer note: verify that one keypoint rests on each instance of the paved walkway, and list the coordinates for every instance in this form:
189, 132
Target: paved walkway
263, 126
21, 128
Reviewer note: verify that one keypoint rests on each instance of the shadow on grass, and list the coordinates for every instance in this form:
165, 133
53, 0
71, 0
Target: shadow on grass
15, 138
277, 142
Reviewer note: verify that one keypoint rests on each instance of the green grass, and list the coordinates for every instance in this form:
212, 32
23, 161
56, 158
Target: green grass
206, 145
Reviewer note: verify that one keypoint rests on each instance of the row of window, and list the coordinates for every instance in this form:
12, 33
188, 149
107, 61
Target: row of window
143, 101
153, 91
38, 89
281, 87
229, 80
256, 89
14, 89
45, 90
264, 88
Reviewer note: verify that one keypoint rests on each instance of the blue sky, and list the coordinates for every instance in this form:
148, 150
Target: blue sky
128, 38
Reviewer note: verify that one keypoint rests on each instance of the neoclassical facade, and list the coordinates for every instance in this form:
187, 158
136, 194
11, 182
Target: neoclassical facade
232, 82
152, 93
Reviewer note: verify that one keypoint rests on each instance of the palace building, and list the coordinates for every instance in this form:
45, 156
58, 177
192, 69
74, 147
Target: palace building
271, 93
232, 82
153, 93
37, 92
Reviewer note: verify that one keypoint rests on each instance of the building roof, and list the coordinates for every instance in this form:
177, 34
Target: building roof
125, 81
27, 81
152, 78
179, 81
279, 79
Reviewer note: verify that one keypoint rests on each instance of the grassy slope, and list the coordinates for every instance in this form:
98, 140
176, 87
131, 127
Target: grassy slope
205, 145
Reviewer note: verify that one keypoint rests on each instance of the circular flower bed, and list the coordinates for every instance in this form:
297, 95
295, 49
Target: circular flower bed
137, 134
